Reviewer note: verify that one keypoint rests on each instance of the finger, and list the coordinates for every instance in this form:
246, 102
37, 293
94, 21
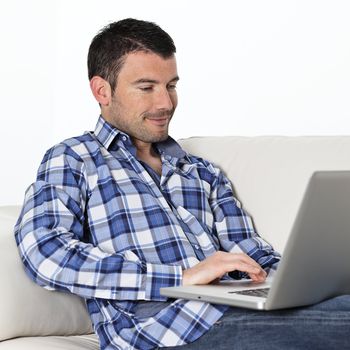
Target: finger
255, 271
242, 258
239, 257
261, 273
243, 267
257, 278
260, 277
248, 260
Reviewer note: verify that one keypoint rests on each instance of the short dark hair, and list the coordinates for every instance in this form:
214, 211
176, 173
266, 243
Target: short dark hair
108, 48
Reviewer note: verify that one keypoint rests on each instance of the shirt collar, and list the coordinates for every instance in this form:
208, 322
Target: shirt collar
107, 133
171, 148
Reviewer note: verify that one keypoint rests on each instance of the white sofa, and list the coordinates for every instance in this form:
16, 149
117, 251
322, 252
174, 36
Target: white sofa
269, 175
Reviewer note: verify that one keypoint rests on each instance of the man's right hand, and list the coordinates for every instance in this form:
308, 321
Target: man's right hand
218, 264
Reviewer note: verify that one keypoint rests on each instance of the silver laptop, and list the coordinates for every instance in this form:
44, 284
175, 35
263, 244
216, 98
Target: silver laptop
316, 261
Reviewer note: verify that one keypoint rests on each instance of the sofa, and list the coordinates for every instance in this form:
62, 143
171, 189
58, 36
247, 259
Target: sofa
269, 175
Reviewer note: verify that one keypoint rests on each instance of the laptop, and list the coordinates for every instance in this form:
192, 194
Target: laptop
316, 261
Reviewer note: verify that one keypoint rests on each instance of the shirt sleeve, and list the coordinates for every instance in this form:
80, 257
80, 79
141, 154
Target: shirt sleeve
50, 238
235, 228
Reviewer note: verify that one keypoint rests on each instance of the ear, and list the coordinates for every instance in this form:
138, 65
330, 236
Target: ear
101, 90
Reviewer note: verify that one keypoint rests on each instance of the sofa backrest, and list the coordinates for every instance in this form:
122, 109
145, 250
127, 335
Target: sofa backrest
25, 308
270, 173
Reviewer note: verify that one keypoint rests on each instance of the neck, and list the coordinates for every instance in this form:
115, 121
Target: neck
146, 153
143, 149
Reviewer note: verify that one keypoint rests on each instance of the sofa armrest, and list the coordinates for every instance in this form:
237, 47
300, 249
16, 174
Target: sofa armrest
26, 308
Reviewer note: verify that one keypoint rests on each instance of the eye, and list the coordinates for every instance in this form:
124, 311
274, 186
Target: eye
172, 87
146, 88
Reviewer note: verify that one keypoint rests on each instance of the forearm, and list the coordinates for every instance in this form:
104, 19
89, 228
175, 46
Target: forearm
66, 264
55, 257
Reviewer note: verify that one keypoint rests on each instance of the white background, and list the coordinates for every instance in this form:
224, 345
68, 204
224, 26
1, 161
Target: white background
246, 67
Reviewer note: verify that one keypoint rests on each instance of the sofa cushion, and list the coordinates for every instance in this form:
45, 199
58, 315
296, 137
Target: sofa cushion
78, 342
25, 308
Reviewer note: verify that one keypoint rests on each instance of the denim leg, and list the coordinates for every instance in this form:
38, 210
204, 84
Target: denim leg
322, 326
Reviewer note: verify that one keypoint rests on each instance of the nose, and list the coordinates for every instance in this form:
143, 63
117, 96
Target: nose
165, 100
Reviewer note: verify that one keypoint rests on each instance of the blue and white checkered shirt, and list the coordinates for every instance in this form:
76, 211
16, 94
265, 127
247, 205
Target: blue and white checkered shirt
97, 224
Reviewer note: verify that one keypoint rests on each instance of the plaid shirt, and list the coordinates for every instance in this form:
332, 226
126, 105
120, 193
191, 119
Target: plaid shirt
97, 224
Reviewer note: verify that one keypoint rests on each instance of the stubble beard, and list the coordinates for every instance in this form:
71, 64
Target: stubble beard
137, 128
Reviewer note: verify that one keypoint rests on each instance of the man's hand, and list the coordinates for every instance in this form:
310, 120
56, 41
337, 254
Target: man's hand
218, 264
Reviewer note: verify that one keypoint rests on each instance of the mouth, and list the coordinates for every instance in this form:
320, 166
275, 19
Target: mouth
158, 121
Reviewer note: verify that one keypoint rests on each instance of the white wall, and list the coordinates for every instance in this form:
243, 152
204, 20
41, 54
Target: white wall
246, 67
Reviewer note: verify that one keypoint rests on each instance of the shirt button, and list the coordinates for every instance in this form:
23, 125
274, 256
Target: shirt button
124, 138
196, 246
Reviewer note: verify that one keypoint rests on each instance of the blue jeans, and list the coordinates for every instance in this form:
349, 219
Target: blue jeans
322, 326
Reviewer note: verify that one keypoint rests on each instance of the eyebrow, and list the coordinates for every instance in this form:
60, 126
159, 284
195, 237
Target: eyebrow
153, 81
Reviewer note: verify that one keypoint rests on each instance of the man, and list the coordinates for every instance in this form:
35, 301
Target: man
118, 213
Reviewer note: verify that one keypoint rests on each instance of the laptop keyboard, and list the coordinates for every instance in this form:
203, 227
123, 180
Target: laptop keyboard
262, 292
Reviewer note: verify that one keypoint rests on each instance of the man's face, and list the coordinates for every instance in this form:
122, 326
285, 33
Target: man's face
145, 97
